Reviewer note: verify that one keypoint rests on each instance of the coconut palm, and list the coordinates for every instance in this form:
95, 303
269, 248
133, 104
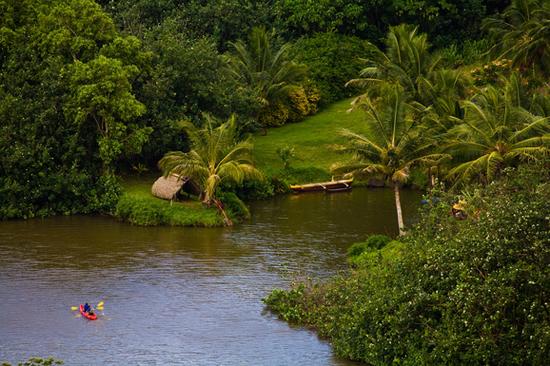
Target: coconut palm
405, 61
264, 68
497, 131
441, 92
394, 145
522, 34
215, 155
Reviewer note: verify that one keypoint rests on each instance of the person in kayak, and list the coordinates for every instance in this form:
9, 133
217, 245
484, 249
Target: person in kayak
88, 309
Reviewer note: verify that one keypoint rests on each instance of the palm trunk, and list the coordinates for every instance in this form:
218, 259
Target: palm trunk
398, 208
227, 221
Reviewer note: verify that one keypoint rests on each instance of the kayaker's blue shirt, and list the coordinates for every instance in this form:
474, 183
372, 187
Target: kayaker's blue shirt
87, 308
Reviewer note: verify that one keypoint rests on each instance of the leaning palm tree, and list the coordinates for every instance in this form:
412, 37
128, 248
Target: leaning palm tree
266, 69
522, 34
394, 145
215, 155
496, 132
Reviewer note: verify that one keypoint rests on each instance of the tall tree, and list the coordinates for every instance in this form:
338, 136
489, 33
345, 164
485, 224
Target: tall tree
216, 154
522, 34
406, 60
497, 131
265, 69
394, 145
61, 64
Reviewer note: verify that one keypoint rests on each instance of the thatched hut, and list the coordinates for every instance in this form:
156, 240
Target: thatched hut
169, 187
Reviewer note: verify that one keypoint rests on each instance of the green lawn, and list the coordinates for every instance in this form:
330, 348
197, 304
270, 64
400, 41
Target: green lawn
312, 139
138, 206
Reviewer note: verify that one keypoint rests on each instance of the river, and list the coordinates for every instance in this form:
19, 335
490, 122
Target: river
186, 296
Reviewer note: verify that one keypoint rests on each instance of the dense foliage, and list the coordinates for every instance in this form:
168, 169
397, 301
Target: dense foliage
332, 60
453, 292
421, 115
445, 21
66, 105
522, 34
37, 361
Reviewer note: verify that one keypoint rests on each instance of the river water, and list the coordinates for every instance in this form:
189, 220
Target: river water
185, 296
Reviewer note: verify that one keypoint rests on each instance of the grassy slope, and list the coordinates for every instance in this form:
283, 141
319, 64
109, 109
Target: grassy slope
311, 139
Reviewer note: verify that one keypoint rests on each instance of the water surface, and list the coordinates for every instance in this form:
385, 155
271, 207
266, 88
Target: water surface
183, 296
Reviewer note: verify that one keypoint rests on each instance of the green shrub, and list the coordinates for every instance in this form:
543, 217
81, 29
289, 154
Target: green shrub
369, 258
373, 242
468, 292
289, 304
37, 361
234, 206
286, 153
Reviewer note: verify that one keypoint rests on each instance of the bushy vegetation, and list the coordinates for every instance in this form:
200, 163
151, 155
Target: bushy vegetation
373, 242
453, 292
445, 21
37, 361
333, 59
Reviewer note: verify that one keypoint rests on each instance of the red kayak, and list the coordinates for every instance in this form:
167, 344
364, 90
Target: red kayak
91, 316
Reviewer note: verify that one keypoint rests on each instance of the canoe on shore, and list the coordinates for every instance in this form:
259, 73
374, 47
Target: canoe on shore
332, 186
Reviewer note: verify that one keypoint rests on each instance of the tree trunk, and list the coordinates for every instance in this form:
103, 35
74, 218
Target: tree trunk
398, 208
227, 221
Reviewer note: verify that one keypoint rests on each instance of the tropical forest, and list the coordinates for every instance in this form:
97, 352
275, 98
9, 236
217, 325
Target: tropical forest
274, 182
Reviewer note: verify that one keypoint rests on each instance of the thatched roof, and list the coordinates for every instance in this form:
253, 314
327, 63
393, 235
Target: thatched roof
168, 187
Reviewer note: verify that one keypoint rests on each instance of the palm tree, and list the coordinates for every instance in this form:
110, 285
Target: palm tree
522, 34
396, 143
405, 61
216, 154
440, 93
266, 69
496, 132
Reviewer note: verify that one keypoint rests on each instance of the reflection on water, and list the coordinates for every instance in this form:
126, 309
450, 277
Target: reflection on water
178, 295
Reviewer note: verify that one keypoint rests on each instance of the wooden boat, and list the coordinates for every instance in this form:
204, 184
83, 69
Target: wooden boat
332, 186
342, 189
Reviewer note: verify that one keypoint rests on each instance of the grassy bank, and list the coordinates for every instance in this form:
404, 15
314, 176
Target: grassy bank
139, 207
312, 139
